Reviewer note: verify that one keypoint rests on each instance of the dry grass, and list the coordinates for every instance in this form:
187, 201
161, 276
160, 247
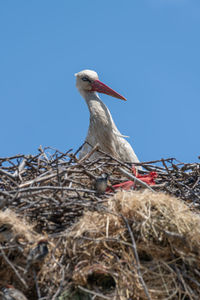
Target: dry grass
167, 235
125, 245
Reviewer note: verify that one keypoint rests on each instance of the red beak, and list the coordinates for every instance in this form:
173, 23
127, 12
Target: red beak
100, 87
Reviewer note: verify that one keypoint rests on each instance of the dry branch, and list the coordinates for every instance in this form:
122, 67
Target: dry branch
54, 191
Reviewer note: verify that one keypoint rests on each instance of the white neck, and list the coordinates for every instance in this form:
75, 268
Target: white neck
103, 130
98, 111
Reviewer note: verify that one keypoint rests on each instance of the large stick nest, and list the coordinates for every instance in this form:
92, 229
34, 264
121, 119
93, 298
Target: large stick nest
139, 244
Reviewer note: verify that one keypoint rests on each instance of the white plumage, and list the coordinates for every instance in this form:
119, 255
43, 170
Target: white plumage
102, 128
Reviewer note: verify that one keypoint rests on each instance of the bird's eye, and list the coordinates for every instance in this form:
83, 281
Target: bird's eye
85, 79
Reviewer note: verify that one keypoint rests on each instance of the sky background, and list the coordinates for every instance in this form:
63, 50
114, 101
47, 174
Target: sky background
149, 51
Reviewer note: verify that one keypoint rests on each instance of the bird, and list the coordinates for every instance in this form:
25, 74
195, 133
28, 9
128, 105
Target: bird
101, 183
6, 232
37, 254
10, 293
102, 129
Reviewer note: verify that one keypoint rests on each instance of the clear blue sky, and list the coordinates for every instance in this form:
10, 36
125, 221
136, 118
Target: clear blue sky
149, 51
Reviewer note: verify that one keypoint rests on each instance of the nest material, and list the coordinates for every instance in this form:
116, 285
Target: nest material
167, 237
17, 237
12, 228
129, 245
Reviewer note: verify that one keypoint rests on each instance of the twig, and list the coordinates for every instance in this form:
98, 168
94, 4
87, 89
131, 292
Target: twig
11, 157
61, 284
13, 268
136, 257
36, 284
157, 161
20, 168
94, 293
180, 277
6, 194
95, 148
46, 188
2, 172
135, 179
113, 158
180, 183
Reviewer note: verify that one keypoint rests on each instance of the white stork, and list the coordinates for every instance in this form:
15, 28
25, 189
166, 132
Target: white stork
102, 128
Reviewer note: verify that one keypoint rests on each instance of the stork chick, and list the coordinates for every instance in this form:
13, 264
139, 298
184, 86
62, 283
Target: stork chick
102, 129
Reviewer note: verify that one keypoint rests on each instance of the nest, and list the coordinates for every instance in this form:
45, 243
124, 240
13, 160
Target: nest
145, 244
140, 244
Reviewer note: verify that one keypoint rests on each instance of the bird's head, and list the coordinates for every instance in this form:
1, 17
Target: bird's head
88, 81
42, 241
